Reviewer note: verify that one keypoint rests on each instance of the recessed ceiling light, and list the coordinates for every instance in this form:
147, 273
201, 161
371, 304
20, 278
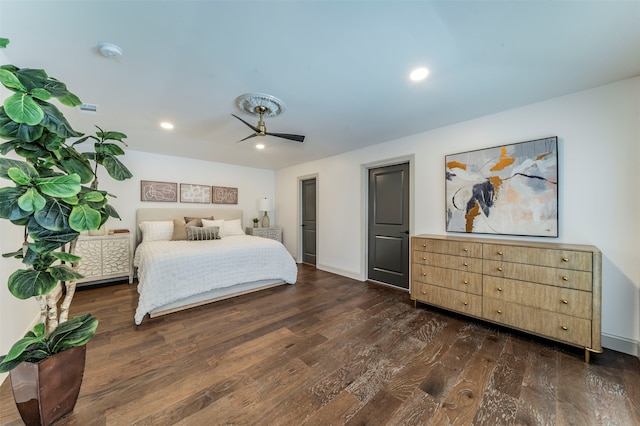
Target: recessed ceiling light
166, 125
419, 74
259, 146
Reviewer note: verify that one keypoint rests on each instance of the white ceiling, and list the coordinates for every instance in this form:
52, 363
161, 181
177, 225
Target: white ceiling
341, 67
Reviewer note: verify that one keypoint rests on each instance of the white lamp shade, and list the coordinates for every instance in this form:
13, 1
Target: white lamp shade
266, 205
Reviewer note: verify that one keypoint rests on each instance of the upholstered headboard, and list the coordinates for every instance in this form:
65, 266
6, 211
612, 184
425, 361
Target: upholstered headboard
164, 213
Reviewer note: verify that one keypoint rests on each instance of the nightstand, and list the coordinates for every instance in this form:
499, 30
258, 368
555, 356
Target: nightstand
105, 258
271, 233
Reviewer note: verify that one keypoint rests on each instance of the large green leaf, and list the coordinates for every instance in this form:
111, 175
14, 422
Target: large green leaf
84, 218
41, 94
115, 168
93, 196
35, 78
74, 162
21, 108
109, 210
6, 164
59, 186
31, 200
10, 129
114, 136
27, 283
73, 333
9, 205
70, 100
65, 257
55, 122
109, 148
4, 42
18, 176
38, 233
10, 81
54, 216
9, 146
64, 273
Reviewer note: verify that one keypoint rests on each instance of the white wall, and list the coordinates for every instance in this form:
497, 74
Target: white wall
599, 199
252, 184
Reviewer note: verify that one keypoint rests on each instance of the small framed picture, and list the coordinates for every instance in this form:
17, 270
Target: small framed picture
191, 193
151, 190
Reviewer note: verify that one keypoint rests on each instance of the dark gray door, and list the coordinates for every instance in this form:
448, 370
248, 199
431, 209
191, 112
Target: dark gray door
309, 221
389, 225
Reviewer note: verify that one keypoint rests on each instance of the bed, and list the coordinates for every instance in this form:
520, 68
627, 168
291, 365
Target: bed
177, 275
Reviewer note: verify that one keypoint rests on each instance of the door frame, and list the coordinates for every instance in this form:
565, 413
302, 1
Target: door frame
299, 225
364, 205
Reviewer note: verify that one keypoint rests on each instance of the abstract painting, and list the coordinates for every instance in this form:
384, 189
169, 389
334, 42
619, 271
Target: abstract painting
224, 195
510, 189
190, 193
158, 191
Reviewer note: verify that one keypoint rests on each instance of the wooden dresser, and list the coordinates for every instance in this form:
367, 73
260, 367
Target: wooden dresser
547, 289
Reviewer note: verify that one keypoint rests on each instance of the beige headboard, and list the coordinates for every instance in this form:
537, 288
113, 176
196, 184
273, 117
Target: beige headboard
164, 213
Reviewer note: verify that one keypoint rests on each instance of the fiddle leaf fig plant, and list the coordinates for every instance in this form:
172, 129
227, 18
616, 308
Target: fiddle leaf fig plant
53, 195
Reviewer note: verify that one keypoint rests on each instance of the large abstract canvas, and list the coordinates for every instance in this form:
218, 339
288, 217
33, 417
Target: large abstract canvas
509, 190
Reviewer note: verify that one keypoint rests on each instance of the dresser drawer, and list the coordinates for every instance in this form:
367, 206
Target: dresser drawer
456, 248
469, 264
448, 278
566, 278
566, 301
459, 301
561, 327
565, 259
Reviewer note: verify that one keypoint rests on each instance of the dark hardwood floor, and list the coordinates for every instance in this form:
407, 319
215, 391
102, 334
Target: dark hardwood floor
333, 351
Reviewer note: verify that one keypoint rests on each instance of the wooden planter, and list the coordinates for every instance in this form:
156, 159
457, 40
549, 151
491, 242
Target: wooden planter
48, 390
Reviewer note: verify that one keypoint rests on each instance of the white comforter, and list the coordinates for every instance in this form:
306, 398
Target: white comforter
173, 270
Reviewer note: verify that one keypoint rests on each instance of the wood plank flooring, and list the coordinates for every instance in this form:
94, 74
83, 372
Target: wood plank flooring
333, 351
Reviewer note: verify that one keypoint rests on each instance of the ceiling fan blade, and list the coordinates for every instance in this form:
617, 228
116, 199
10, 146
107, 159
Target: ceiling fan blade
297, 138
253, 135
255, 129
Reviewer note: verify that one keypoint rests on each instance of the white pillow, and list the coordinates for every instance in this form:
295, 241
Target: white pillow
233, 227
218, 222
156, 230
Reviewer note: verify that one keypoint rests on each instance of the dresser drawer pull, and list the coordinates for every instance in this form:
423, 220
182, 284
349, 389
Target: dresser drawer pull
424, 274
499, 252
465, 264
565, 278
499, 269
466, 281
465, 303
424, 292
424, 258
499, 311
564, 327
565, 259
465, 249
565, 301
499, 288
424, 245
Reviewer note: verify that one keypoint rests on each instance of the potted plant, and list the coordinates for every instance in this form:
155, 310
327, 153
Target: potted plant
54, 196
255, 222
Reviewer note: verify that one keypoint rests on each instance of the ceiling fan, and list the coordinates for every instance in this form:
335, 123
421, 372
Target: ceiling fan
263, 106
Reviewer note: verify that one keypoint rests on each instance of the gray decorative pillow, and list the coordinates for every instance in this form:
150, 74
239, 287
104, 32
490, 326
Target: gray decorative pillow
197, 233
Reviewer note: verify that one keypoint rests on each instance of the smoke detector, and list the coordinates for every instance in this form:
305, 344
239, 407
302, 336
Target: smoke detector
110, 50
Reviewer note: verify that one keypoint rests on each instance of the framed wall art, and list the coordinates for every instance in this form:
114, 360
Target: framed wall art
190, 193
151, 190
224, 195
507, 190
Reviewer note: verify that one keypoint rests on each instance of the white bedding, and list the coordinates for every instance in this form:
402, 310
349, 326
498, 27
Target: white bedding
169, 271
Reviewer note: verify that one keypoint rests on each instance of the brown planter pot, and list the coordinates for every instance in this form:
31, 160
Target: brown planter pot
47, 390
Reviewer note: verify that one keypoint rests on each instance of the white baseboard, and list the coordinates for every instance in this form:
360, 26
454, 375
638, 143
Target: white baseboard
621, 344
338, 271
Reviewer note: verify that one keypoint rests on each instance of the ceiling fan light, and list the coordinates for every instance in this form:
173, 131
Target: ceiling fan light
259, 146
419, 74
166, 125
